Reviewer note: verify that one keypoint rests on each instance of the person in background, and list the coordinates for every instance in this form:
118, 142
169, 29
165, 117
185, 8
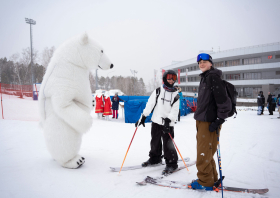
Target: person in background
269, 103
261, 102
181, 98
278, 104
107, 106
213, 107
115, 105
99, 104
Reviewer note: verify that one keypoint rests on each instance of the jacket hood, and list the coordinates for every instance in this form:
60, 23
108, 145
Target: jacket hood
212, 71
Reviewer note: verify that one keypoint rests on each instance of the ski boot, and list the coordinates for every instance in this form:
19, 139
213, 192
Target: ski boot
169, 169
149, 163
196, 186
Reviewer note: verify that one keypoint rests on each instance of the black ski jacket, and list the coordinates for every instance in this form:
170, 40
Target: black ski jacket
261, 100
212, 101
269, 99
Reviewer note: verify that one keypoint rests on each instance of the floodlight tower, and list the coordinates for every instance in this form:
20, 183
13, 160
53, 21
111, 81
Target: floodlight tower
31, 22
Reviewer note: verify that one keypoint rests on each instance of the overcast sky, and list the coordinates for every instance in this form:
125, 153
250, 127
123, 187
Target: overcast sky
142, 35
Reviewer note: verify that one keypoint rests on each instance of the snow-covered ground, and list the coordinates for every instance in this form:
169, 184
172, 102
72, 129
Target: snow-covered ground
250, 152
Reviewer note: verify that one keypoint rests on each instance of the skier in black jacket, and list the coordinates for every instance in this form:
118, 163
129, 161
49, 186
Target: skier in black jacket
213, 107
261, 101
269, 102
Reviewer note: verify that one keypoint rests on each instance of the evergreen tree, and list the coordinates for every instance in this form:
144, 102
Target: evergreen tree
101, 82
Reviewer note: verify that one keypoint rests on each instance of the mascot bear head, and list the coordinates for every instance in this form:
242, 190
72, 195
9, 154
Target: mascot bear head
84, 52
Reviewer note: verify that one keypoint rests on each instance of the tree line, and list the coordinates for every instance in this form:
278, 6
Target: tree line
17, 70
128, 85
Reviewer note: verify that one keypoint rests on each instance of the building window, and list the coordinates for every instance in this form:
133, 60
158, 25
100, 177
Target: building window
183, 70
219, 64
251, 92
250, 61
232, 76
249, 76
232, 63
182, 79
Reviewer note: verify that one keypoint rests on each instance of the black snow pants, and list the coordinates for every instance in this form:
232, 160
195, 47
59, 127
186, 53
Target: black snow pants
270, 109
170, 154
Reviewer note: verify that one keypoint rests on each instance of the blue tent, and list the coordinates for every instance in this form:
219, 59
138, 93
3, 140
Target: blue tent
133, 110
135, 105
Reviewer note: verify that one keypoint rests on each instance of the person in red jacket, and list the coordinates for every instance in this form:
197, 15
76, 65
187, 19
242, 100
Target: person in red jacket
99, 107
107, 106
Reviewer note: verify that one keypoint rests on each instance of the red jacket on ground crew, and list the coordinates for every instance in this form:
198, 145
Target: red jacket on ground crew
99, 107
107, 106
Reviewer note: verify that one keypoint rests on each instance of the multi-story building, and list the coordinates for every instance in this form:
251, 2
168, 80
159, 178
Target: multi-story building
250, 69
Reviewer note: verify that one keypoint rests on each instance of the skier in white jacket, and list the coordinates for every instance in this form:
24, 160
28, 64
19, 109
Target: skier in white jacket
165, 107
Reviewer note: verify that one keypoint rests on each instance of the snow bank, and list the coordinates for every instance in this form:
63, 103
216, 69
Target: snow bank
250, 153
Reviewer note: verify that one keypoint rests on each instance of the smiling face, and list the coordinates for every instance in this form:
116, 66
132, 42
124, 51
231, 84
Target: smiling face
204, 65
170, 81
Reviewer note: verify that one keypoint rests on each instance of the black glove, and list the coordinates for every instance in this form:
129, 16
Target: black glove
141, 121
166, 127
214, 125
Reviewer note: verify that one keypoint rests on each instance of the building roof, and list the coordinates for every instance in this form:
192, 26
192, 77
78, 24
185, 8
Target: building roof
270, 47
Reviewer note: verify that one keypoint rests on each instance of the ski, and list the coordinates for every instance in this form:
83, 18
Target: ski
185, 185
144, 182
126, 168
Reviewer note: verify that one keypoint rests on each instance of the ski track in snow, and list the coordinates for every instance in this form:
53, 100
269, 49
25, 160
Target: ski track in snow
250, 153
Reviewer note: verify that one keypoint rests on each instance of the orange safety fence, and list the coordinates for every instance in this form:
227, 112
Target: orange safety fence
17, 90
17, 102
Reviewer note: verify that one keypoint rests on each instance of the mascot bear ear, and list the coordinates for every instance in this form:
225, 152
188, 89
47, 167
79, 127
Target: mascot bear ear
84, 39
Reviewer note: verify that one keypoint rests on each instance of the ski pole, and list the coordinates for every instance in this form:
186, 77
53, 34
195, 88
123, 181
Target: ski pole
219, 160
128, 148
178, 150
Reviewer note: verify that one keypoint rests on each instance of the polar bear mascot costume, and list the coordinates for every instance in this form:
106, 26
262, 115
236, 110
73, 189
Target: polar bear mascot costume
65, 99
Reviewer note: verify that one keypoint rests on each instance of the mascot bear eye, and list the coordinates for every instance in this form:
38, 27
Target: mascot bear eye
101, 51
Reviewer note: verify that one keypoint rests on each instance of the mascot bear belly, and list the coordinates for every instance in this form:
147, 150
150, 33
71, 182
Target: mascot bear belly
65, 99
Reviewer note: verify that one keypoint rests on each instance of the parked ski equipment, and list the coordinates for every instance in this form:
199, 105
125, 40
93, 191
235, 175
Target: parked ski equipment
126, 168
184, 185
219, 160
144, 182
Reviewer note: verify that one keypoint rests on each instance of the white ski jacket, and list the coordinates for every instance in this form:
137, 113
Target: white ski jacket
163, 108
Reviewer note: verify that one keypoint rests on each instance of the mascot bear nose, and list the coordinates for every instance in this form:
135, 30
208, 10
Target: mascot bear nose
111, 66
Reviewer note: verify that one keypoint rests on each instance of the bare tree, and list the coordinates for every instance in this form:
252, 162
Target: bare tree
26, 56
92, 82
47, 55
25, 60
15, 58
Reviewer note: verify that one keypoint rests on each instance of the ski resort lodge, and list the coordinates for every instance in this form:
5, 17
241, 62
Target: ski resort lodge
250, 69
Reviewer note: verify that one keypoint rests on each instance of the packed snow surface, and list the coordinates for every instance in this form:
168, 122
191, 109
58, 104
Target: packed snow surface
250, 153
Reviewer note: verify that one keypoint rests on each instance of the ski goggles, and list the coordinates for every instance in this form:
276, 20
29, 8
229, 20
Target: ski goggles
171, 76
204, 56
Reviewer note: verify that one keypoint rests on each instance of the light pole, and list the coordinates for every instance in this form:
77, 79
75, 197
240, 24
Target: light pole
96, 80
31, 22
133, 73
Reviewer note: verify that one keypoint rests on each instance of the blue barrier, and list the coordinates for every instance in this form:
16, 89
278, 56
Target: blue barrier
135, 105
